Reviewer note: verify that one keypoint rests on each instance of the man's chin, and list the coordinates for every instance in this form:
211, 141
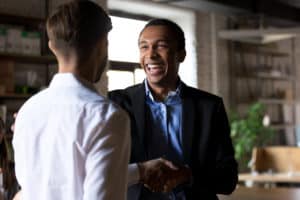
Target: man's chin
154, 81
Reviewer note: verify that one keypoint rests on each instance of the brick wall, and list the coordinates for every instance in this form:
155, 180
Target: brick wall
222, 61
212, 54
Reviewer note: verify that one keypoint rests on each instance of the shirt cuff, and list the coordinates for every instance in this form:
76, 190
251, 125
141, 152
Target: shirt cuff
133, 174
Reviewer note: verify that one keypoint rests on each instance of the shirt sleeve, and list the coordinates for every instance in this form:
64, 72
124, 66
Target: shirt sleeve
17, 143
133, 174
107, 159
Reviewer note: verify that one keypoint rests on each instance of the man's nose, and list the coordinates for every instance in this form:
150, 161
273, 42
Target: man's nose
152, 53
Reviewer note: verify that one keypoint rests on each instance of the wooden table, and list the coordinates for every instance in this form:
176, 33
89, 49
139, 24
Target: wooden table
254, 193
271, 178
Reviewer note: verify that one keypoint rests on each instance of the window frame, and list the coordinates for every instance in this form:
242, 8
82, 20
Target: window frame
123, 65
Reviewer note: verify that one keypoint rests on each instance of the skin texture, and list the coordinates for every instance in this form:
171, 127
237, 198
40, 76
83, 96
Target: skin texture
161, 175
89, 69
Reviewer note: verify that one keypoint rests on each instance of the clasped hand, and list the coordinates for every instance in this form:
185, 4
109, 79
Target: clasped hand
161, 175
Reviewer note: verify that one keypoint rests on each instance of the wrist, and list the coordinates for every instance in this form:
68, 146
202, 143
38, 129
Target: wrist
141, 172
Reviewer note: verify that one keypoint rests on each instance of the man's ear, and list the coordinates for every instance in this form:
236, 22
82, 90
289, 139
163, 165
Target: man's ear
50, 45
181, 55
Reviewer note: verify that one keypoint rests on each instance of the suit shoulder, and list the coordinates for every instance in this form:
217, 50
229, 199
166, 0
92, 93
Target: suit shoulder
197, 93
124, 93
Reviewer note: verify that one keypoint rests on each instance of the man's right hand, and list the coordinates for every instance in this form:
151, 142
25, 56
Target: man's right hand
161, 175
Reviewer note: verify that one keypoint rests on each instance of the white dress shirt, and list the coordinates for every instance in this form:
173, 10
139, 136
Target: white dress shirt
71, 143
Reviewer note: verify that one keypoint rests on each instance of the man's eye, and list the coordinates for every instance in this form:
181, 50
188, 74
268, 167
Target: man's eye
162, 46
143, 47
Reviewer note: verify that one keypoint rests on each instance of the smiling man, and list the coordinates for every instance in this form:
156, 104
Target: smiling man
180, 135
160, 58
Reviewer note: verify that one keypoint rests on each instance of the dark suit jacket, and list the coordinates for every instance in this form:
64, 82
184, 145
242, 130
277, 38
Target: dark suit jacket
207, 145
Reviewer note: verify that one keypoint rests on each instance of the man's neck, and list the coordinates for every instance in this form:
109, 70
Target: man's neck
74, 67
161, 92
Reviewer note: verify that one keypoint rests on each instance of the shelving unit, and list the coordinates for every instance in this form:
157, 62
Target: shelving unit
42, 63
266, 75
25, 63
43, 59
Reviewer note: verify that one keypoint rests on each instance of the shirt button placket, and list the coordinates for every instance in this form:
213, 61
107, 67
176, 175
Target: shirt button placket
164, 117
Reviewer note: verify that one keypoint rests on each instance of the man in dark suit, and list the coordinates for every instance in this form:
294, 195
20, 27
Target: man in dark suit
175, 127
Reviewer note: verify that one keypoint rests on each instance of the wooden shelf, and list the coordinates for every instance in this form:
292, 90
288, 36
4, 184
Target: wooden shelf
268, 76
275, 101
282, 126
21, 20
263, 52
275, 77
266, 101
46, 59
267, 53
120, 65
15, 96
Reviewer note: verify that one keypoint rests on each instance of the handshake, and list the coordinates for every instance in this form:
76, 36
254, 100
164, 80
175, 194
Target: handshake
161, 175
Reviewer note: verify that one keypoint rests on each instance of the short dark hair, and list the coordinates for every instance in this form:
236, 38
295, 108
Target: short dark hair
78, 24
172, 26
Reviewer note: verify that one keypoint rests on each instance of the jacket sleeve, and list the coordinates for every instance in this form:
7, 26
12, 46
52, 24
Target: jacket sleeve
213, 164
226, 171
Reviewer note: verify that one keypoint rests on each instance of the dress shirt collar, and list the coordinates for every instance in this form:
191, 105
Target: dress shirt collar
176, 94
69, 79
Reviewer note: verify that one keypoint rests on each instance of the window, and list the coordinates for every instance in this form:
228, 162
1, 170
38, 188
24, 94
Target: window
121, 79
123, 53
123, 39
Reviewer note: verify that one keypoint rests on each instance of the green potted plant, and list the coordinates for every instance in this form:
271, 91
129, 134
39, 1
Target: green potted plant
248, 132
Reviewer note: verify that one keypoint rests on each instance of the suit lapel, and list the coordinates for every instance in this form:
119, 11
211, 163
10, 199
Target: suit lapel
188, 119
139, 111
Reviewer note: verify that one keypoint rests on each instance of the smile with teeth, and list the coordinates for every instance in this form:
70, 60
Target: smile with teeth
155, 69
154, 66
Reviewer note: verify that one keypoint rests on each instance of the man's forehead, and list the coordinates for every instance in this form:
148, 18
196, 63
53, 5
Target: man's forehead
162, 29
155, 39
156, 33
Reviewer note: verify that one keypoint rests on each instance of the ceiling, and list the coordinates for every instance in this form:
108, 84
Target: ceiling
279, 13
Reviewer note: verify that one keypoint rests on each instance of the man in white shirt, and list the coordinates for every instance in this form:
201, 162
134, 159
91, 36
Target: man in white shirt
70, 142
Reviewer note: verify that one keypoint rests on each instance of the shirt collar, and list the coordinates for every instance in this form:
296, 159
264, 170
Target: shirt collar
171, 94
69, 79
